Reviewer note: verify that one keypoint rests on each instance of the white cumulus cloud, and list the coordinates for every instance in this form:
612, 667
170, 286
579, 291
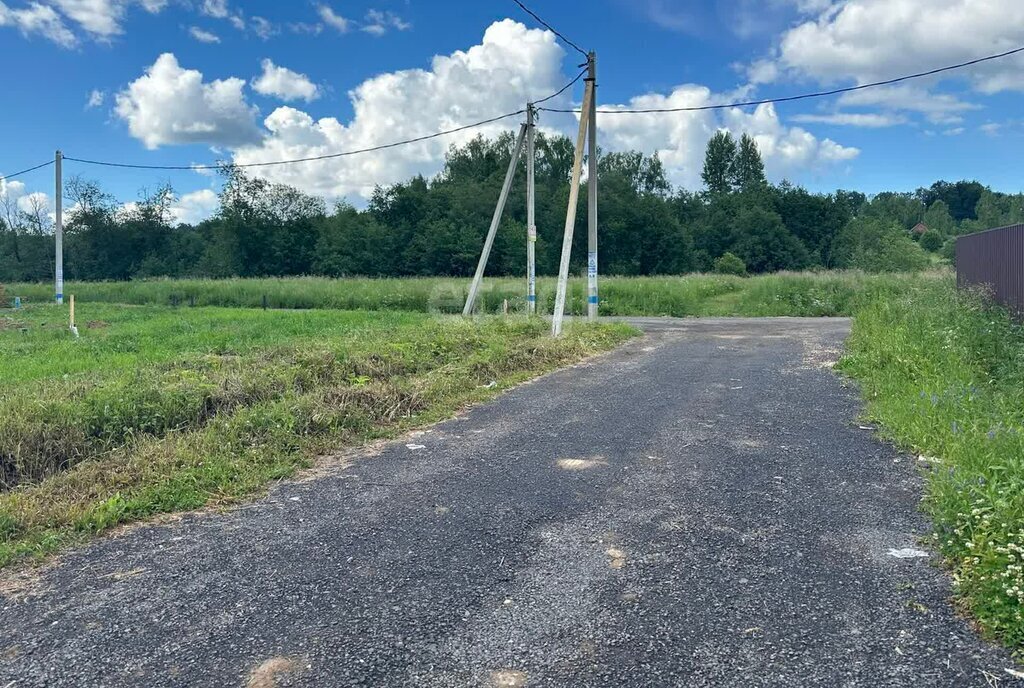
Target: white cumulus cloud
861, 41
95, 100
172, 105
511, 65
333, 19
202, 35
38, 19
285, 84
192, 208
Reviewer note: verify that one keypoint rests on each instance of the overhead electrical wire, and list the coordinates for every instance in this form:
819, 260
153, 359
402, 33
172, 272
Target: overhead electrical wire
550, 28
6, 177
803, 96
418, 139
297, 160
328, 156
562, 89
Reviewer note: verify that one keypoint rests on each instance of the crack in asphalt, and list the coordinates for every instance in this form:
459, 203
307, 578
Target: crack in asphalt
697, 508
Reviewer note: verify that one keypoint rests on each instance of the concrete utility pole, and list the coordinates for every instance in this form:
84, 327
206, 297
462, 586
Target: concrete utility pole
58, 197
570, 216
592, 300
474, 288
531, 213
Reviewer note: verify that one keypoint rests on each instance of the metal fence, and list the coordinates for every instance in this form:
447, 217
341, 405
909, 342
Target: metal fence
994, 260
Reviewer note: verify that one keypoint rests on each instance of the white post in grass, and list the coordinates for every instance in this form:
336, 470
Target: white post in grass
58, 227
570, 216
531, 213
495, 221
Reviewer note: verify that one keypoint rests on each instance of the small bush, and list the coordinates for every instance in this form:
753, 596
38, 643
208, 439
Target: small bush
931, 241
730, 264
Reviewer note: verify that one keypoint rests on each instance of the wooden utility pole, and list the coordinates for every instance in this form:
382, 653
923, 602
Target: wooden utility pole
570, 216
591, 114
58, 226
531, 212
474, 288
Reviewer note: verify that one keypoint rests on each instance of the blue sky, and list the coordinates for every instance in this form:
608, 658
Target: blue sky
192, 81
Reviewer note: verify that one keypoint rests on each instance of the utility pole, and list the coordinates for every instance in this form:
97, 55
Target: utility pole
59, 226
531, 213
495, 221
570, 216
592, 300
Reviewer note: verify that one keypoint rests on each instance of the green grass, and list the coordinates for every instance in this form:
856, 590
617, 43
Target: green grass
943, 373
157, 410
796, 294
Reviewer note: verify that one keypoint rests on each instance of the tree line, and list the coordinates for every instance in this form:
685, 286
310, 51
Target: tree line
737, 223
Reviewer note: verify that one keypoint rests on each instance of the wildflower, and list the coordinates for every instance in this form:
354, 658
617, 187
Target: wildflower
991, 434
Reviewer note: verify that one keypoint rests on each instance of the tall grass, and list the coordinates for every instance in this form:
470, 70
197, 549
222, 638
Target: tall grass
944, 375
156, 409
798, 294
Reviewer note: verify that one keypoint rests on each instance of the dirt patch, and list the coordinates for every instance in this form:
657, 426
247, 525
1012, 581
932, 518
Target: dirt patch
96, 324
507, 678
266, 674
9, 323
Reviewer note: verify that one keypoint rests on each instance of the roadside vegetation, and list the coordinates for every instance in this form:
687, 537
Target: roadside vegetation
827, 293
156, 410
943, 375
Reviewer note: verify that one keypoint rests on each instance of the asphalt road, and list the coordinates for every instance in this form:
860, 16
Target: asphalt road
698, 508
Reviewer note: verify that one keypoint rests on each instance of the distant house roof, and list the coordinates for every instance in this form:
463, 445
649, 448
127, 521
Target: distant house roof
920, 228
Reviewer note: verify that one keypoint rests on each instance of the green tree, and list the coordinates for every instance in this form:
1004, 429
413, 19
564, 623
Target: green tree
938, 219
931, 241
876, 245
748, 169
720, 164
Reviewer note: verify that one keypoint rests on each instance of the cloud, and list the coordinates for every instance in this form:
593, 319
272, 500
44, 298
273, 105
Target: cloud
511, 65
333, 19
38, 19
101, 19
96, 98
202, 35
285, 84
853, 119
379, 23
680, 139
262, 27
193, 208
172, 105
938, 108
862, 41
215, 8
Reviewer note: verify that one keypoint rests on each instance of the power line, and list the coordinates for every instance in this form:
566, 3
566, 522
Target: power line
328, 156
550, 28
804, 96
563, 89
297, 160
6, 177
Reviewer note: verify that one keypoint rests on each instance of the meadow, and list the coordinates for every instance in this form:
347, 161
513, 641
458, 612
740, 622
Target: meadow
156, 409
942, 373
779, 294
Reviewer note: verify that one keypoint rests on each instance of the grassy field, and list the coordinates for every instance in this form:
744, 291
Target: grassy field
806, 294
156, 409
943, 374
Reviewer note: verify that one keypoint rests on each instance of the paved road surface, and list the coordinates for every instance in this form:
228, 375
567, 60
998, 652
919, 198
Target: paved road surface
699, 508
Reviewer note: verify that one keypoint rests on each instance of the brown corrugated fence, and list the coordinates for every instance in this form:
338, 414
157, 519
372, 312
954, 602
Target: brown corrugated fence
994, 260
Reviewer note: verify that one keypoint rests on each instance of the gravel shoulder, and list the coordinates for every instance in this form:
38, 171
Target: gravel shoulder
699, 508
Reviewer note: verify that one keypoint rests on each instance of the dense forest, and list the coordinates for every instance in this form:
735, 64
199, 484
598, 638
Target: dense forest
738, 223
